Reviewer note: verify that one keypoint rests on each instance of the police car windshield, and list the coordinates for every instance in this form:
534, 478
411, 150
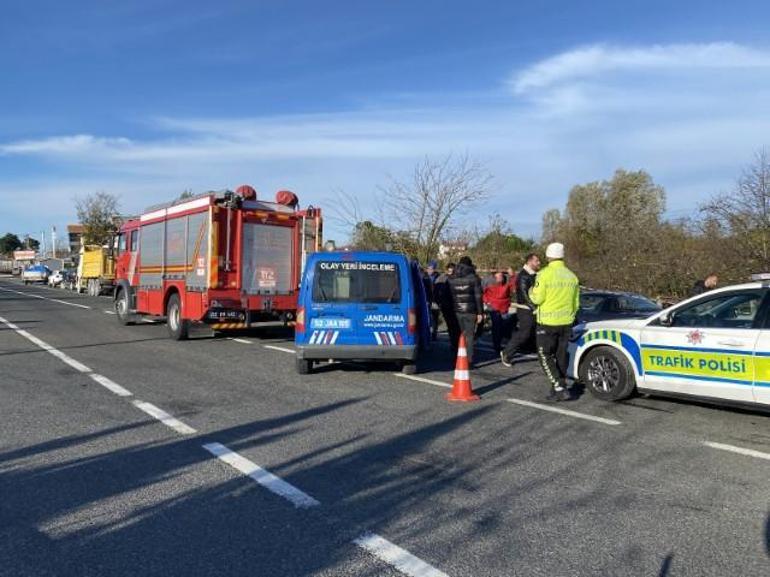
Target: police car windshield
354, 281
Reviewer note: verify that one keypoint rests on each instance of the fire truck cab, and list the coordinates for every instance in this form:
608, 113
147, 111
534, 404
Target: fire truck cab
222, 260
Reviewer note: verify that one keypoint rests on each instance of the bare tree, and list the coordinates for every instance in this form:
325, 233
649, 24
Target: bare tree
425, 209
98, 213
745, 212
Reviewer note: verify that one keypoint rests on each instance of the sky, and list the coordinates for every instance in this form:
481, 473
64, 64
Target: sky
146, 99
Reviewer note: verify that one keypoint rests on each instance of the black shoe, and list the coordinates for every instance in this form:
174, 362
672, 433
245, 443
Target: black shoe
505, 361
558, 396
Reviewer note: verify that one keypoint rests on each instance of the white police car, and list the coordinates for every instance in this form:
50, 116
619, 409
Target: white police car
713, 346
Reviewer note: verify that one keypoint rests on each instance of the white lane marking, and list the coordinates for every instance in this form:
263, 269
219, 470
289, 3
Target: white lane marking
739, 450
69, 303
110, 385
282, 349
34, 296
566, 412
424, 380
244, 341
164, 417
261, 476
397, 557
77, 365
110, 312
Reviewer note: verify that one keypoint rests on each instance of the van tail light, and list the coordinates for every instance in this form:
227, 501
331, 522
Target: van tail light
412, 325
299, 325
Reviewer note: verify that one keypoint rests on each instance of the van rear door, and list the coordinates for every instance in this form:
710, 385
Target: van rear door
358, 302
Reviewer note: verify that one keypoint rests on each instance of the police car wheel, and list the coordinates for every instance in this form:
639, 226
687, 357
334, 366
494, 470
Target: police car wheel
177, 326
304, 366
607, 374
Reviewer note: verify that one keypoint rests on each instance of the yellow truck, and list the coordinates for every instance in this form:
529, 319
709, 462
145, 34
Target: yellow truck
96, 270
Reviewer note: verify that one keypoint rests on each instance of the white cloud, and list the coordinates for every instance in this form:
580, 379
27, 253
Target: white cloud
74, 145
577, 118
592, 61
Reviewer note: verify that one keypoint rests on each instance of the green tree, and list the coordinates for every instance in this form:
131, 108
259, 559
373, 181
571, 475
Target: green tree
9, 243
98, 213
498, 247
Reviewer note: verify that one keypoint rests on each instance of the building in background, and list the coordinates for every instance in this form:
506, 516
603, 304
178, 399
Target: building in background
74, 236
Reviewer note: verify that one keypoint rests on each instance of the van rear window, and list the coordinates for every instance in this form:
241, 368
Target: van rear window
356, 282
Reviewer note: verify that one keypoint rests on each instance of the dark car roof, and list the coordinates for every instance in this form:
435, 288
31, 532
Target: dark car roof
608, 293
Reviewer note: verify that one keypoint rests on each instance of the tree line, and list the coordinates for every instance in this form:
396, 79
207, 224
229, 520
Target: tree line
615, 231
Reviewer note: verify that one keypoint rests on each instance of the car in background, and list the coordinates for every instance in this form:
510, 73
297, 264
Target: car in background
55, 278
597, 305
35, 273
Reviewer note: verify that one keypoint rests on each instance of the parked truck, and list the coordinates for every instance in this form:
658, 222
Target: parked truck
221, 260
96, 269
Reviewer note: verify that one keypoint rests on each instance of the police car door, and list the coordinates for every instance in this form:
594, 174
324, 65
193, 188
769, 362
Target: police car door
704, 347
762, 362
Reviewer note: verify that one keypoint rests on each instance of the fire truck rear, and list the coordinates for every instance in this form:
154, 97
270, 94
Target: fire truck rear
220, 260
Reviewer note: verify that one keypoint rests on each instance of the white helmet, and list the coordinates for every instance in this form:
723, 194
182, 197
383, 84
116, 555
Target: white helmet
555, 250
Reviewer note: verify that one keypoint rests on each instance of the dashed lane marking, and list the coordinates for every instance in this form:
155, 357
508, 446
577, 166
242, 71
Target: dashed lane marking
164, 417
739, 450
565, 412
397, 557
34, 296
242, 341
63, 357
282, 349
110, 312
110, 385
423, 380
262, 476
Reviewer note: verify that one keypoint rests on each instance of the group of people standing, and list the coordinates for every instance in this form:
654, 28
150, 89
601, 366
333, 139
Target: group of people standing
540, 305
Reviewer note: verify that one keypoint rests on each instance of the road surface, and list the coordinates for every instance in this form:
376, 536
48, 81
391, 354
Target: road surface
123, 452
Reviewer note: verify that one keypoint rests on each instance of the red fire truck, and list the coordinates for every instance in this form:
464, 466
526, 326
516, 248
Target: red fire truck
222, 260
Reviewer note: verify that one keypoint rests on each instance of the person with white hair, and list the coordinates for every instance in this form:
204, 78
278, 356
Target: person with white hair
557, 296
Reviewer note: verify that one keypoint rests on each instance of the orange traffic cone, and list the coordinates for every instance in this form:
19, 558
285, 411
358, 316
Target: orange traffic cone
461, 387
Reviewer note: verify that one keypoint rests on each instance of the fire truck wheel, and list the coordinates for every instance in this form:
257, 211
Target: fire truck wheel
121, 308
178, 327
304, 366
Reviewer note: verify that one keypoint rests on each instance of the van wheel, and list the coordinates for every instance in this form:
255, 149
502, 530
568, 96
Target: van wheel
178, 328
125, 318
408, 368
304, 366
607, 374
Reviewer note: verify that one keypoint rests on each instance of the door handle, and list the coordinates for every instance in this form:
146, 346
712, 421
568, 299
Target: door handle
731, 343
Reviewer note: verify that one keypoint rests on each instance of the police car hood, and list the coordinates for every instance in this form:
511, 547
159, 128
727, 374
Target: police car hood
616, 324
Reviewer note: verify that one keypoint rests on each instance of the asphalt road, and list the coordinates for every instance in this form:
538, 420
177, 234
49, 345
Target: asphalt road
125, 453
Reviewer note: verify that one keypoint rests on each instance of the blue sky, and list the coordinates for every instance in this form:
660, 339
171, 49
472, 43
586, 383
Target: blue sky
146, 99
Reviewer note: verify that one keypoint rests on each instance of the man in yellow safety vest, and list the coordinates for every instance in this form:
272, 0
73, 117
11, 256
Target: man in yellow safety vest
557, 296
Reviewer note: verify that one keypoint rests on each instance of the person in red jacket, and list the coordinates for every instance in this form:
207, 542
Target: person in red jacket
497, 296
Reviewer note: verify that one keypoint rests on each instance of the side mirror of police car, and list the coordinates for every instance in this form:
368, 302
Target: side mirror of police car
666, 319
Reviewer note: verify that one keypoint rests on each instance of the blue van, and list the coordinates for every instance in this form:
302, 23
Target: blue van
367, 306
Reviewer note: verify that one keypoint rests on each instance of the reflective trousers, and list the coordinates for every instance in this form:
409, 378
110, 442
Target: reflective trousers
552, 342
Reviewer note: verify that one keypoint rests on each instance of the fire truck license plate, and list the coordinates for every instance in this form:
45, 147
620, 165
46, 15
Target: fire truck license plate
225, 315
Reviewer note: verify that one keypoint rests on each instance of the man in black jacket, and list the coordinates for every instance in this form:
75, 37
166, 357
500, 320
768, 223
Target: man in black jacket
705, 285
465, 287
525, 310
